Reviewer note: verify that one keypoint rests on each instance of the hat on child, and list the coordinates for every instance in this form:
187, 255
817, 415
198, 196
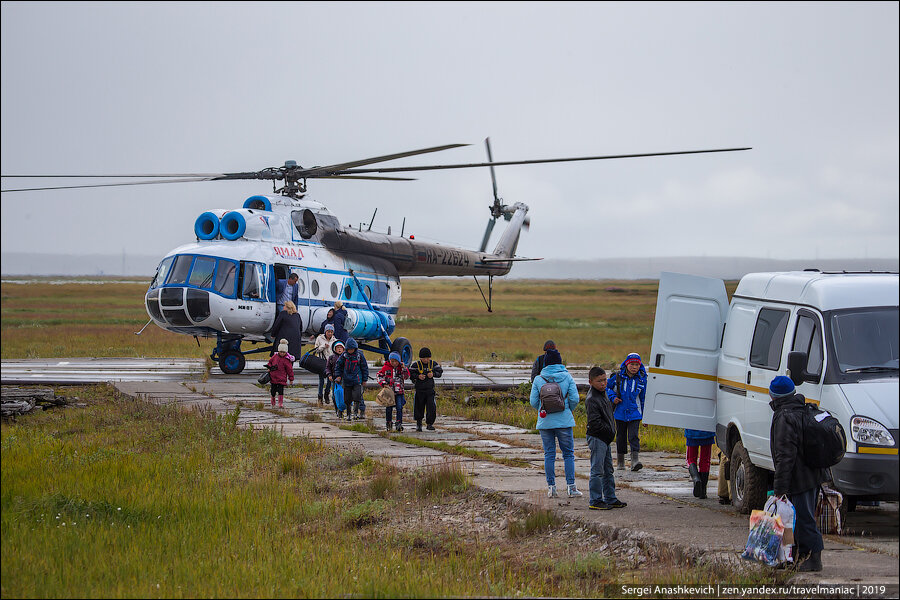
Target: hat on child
337, 343
781, 386
394, 356
425, 352
552, 357
329, 327
633, 357
283, 347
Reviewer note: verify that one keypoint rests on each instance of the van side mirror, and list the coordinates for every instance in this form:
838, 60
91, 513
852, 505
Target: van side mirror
796, 364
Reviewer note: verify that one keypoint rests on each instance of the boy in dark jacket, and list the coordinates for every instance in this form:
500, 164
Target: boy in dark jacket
422, 372
601, 431
352, 371
792, 476
337, 348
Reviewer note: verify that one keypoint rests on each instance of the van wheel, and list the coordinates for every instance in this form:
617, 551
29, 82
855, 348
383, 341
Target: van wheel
748, 482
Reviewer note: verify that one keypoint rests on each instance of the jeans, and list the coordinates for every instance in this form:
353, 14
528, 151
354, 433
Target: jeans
628, 430
566, 439
602, 482
399, 402
806, 534
324, 384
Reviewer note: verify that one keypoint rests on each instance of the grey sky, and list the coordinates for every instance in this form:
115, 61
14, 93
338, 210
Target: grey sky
220, 87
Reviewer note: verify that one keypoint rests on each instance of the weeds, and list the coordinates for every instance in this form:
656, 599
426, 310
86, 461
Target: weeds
443, 479
538, 520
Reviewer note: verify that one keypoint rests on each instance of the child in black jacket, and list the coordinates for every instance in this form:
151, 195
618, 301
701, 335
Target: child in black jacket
422, 372
601, 431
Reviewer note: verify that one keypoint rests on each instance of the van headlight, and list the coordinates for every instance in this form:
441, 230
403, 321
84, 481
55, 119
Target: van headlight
864, 430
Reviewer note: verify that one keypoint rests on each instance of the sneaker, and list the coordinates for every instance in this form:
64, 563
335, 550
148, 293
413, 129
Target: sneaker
551, 491
617, 504
573, 492
399, 426
600, 506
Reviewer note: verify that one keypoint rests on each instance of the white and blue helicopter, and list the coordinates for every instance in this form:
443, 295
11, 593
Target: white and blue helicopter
222, 285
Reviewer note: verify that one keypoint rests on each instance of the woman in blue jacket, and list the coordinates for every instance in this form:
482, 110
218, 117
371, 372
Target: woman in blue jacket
626, 389
557, 425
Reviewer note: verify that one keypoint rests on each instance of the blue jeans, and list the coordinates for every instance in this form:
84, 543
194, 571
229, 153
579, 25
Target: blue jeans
567, 445
399, 402
603, 482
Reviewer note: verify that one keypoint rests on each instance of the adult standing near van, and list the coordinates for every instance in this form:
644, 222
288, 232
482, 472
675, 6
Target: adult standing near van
555, 395
538, 364
289, 326
340, 316
627, 389
793, 477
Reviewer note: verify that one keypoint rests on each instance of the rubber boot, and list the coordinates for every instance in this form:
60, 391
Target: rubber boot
280, 401
700, 486
813, 563
419, 425
620, 464
695, 474
388, 426
635, 462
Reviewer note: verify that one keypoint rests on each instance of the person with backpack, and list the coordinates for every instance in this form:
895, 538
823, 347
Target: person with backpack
554, 395
538, 364
423, 372
627, 389
352, 371
337, 348
794, 476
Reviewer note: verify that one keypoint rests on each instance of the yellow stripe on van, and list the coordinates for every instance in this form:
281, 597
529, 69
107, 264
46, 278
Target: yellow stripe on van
867, 450
735, 384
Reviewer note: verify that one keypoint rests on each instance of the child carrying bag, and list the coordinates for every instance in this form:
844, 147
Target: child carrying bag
385, 397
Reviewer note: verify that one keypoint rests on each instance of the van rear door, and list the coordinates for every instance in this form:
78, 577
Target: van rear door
684, 356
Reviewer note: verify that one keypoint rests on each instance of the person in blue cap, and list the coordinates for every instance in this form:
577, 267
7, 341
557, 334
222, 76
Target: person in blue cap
392, 375
793, 477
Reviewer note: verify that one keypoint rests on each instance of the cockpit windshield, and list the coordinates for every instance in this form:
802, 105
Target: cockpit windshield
203, 272
866, 340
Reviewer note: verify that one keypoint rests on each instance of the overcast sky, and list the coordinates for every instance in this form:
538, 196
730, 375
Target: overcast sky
222, 87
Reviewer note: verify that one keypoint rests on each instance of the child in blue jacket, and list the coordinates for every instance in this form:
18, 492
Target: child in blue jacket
626, 389
352, 371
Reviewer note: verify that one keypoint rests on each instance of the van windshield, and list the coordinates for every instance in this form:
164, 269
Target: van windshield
866, 340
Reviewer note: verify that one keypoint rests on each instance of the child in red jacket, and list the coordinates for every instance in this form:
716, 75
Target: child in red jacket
392, 375
280, 370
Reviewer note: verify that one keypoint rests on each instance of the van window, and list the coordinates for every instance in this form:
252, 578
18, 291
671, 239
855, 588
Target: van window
768, 338
866, 339
808, 338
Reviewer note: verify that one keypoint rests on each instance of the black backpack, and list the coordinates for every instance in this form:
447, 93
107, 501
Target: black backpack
824, 440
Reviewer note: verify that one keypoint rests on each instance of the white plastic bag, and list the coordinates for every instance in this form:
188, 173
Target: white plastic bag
784, 509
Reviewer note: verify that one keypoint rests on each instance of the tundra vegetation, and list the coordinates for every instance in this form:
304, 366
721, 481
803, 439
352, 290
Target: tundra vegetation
126, 498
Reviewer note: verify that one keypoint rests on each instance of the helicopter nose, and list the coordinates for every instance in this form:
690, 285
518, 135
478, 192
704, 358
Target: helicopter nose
178, 306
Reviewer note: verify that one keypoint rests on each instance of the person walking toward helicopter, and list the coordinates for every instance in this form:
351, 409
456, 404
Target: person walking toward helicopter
340, 316
323, 350
289, 326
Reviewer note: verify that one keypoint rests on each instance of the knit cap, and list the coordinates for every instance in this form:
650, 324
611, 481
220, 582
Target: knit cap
633, 357
394, 356
425, 352
781, 386
282, 347
337, 343
329, 327
552, 357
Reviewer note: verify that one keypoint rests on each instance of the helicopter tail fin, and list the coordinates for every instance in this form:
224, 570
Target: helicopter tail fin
506, 247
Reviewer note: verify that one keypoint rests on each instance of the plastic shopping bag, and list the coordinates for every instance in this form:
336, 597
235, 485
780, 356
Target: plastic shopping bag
339, 396
785, 510
764, 541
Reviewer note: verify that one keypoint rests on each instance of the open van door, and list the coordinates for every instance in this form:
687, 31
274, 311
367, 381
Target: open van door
684, 356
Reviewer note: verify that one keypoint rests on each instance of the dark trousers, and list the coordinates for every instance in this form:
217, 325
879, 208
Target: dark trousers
627, 433
425, 406
806, 534
353, 398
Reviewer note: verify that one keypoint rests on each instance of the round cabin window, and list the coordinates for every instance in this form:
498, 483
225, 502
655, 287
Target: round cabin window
334, 290
368, 292
348, 292
314, 286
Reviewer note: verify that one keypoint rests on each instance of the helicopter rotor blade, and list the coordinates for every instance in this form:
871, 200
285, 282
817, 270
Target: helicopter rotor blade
487, 235
487, 143
366, 177
532, 162
204, 175
99, 185
333, 169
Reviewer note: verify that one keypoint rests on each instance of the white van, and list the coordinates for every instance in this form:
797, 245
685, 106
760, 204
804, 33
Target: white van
835, 334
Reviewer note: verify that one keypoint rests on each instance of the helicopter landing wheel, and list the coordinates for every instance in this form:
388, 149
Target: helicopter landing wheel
402, 347
232, 362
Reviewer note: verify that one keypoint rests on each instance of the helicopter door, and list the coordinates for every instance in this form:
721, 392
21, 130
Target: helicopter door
283, 271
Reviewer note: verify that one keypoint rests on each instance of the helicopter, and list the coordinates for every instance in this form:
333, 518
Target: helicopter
222, 285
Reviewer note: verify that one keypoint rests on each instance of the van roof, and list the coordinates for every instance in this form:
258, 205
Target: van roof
824, 291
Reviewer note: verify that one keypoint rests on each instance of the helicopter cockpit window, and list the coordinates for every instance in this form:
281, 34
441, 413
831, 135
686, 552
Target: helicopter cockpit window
162, 272
202, 273
254, 281
181, 269
225, 278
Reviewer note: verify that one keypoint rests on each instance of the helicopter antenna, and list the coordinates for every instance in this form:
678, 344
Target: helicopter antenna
372, 220
403, 227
